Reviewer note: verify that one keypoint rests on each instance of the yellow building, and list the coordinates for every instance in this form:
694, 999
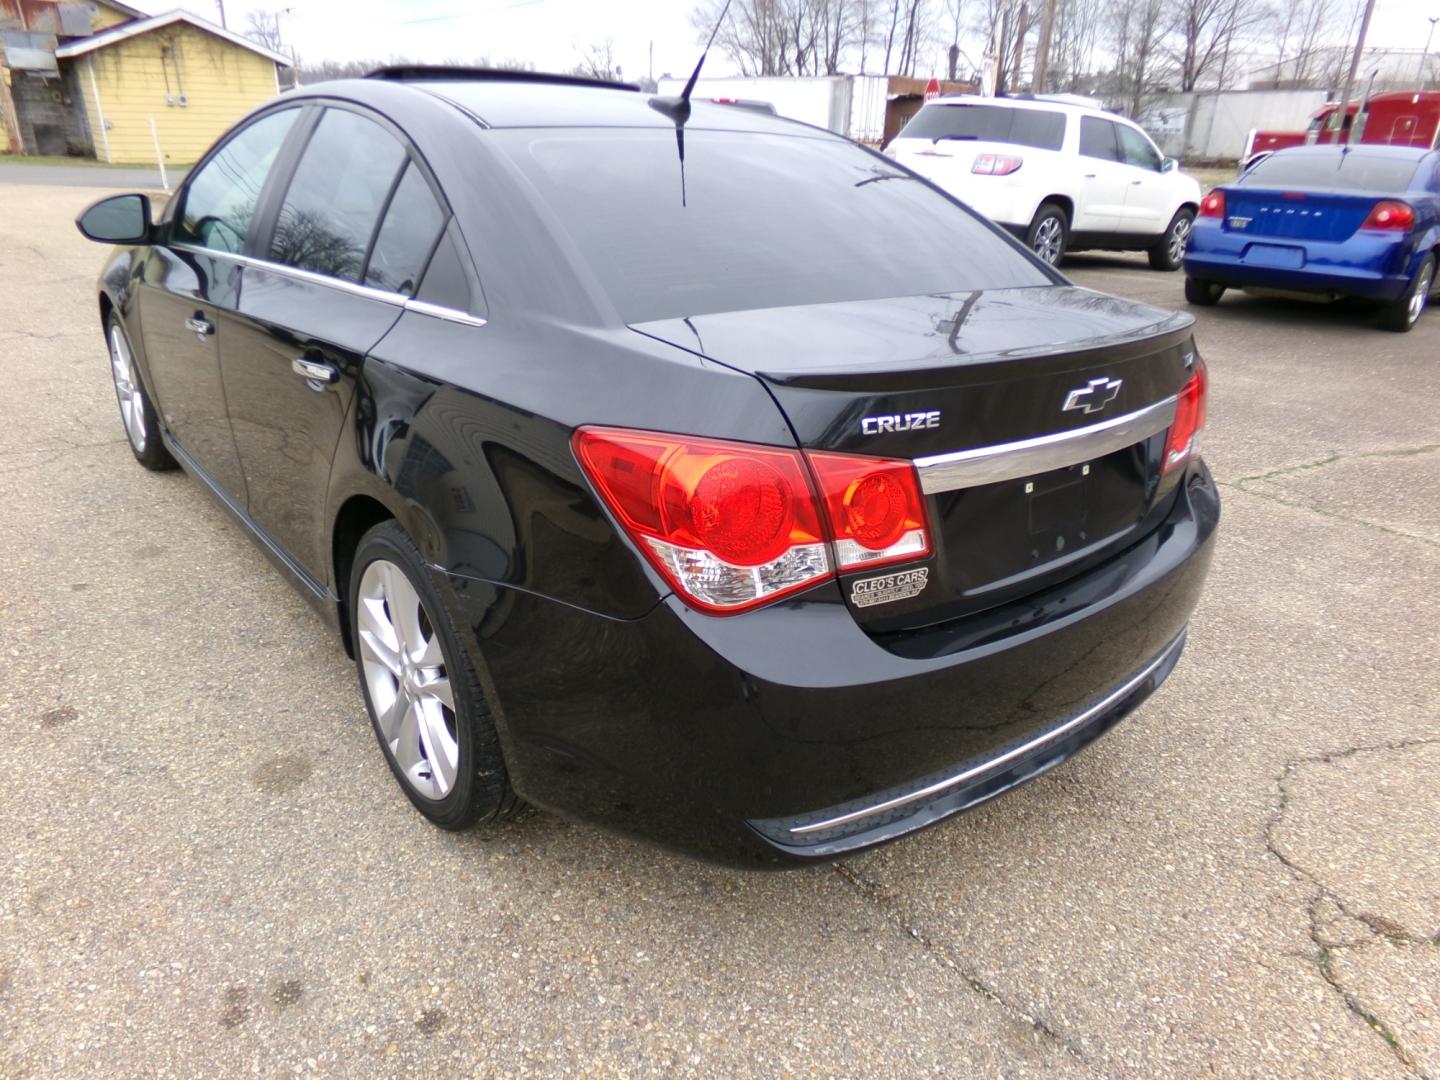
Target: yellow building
174, 80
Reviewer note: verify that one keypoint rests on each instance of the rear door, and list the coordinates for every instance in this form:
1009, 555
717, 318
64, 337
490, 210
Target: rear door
190, 291
349, 241
1148, 194
1104, 178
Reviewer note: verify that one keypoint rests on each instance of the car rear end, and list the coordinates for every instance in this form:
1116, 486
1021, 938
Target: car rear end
996, 157
1316, 220
976, 550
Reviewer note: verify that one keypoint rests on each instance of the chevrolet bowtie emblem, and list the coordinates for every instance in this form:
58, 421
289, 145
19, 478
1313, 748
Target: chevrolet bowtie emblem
1093, 396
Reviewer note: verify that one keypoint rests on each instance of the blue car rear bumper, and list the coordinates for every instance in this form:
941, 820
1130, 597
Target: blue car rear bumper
1370, 265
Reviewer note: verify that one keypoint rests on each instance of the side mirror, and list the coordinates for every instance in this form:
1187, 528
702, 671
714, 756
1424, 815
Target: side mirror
120, 219
1169, 165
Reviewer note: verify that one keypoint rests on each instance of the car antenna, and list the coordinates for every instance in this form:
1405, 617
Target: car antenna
678, 108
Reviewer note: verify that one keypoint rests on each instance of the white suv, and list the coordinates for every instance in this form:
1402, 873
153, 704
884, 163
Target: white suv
1060, 176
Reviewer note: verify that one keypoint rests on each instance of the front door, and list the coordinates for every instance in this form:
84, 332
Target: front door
189, 294
331, 283
1103, 178
1148, 197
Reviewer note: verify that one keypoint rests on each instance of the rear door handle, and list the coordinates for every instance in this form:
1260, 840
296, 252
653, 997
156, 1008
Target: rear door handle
200, 326
1136, 183
1089, 176
314, 372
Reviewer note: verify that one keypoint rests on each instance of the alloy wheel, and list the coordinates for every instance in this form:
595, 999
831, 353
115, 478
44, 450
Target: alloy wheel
1179, 238
1420, 294
127, 389
408, 679
1048, 237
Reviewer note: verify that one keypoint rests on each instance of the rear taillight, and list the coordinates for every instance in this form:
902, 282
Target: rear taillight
996, 164
732, 526
1213, 205
873, 508
1390, 215
1183, 443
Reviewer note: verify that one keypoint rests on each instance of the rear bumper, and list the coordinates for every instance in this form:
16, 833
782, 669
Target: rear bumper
1375, 268
730, 738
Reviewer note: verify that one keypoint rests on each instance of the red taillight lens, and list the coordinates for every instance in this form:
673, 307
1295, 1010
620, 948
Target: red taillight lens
996, 164
1213, 205
874, 508
1390, 215
1183, 442
734, 525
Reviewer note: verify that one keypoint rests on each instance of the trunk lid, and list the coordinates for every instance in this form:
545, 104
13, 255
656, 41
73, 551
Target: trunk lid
1295, 215
1020, 491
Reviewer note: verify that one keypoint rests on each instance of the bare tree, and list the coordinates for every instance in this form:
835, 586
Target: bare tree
264, 29
1136, 28
1204, 34
598, 62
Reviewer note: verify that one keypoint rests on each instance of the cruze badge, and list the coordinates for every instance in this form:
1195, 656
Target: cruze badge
914, 421
1093, 396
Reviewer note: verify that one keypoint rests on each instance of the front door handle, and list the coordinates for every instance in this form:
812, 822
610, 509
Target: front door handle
1136, 183
318, 375
1089, 176
200, 326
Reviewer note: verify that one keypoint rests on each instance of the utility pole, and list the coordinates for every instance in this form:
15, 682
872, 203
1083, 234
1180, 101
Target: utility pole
1420, 79
1042, 47
221, 5
1344, 111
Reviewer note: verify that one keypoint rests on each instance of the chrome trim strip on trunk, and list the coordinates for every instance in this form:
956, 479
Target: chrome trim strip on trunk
1053, 735
1027, 457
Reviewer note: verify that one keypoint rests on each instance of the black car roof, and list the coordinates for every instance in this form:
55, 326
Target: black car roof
504, 99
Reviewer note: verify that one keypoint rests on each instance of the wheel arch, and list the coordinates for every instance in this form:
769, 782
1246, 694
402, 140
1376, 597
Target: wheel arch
1065, 202
356, 516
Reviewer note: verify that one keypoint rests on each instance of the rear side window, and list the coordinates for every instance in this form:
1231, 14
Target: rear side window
1098, 140
336, 196
1039, 128
1355, 171
765, 221
221, 197
407, 235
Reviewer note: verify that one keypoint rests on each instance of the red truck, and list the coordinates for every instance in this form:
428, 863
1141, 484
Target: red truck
1405, 118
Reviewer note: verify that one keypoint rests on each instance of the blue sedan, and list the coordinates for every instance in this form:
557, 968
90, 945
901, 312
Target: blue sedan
1328, 221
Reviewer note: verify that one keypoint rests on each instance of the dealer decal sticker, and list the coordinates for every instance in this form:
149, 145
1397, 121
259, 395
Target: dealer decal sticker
889, 588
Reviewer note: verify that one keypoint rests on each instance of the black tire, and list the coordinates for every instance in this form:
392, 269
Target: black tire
1169, 253
1402, 315
137, 415
1203, 293
481, 789
1049, 233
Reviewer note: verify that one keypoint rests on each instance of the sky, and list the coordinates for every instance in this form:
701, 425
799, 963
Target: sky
553, 34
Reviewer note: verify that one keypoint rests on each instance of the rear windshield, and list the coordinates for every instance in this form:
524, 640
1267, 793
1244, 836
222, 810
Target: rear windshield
1354, 171
765, 221
1039, 128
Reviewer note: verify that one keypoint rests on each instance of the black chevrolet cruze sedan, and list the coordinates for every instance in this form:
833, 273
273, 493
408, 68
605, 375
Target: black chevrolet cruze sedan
697, 473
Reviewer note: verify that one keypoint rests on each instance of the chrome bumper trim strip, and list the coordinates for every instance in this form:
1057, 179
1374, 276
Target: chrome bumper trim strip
1055, 734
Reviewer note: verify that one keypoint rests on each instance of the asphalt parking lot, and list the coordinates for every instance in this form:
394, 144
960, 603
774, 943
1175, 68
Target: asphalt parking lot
205, 867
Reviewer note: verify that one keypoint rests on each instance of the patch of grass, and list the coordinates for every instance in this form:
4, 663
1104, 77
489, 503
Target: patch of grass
84, 163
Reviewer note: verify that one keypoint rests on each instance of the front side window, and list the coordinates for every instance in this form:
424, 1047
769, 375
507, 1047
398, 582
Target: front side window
1137, 149
1098, 140
221, 197
336, 196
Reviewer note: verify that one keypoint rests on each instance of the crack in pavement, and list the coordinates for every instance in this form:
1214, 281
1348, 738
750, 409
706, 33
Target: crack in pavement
1403, 451
1244, 484
1325, 949
942, 954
